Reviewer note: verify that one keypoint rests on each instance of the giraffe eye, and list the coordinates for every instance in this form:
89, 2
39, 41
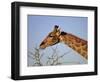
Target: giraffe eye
50, 36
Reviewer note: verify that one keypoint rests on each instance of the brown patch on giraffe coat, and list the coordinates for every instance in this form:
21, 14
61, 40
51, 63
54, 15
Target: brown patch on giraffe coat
84, 54
77, 44
84, 47
83, 42
79, 50
78, 40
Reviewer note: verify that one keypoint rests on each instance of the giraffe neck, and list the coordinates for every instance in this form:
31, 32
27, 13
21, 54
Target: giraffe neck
76, 43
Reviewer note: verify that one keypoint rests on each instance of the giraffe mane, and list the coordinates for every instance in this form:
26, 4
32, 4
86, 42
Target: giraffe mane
63, 33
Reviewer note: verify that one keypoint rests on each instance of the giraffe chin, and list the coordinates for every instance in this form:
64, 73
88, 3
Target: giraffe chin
41, 47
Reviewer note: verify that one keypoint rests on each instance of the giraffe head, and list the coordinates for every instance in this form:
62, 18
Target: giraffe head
52, 38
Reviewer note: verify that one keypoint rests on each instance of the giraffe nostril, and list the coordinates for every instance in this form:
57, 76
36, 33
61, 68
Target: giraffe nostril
42, 43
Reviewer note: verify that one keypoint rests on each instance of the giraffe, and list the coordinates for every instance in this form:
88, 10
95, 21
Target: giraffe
74, 42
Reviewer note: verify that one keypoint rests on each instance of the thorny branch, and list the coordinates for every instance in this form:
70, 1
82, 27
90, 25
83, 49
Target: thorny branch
53, 59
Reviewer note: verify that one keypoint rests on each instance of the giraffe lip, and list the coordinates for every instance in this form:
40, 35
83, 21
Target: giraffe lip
42, 47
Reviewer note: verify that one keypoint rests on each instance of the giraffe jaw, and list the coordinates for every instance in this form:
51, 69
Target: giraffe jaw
41, 47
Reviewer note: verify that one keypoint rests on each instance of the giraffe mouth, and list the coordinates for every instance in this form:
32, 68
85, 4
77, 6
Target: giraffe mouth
41, 47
